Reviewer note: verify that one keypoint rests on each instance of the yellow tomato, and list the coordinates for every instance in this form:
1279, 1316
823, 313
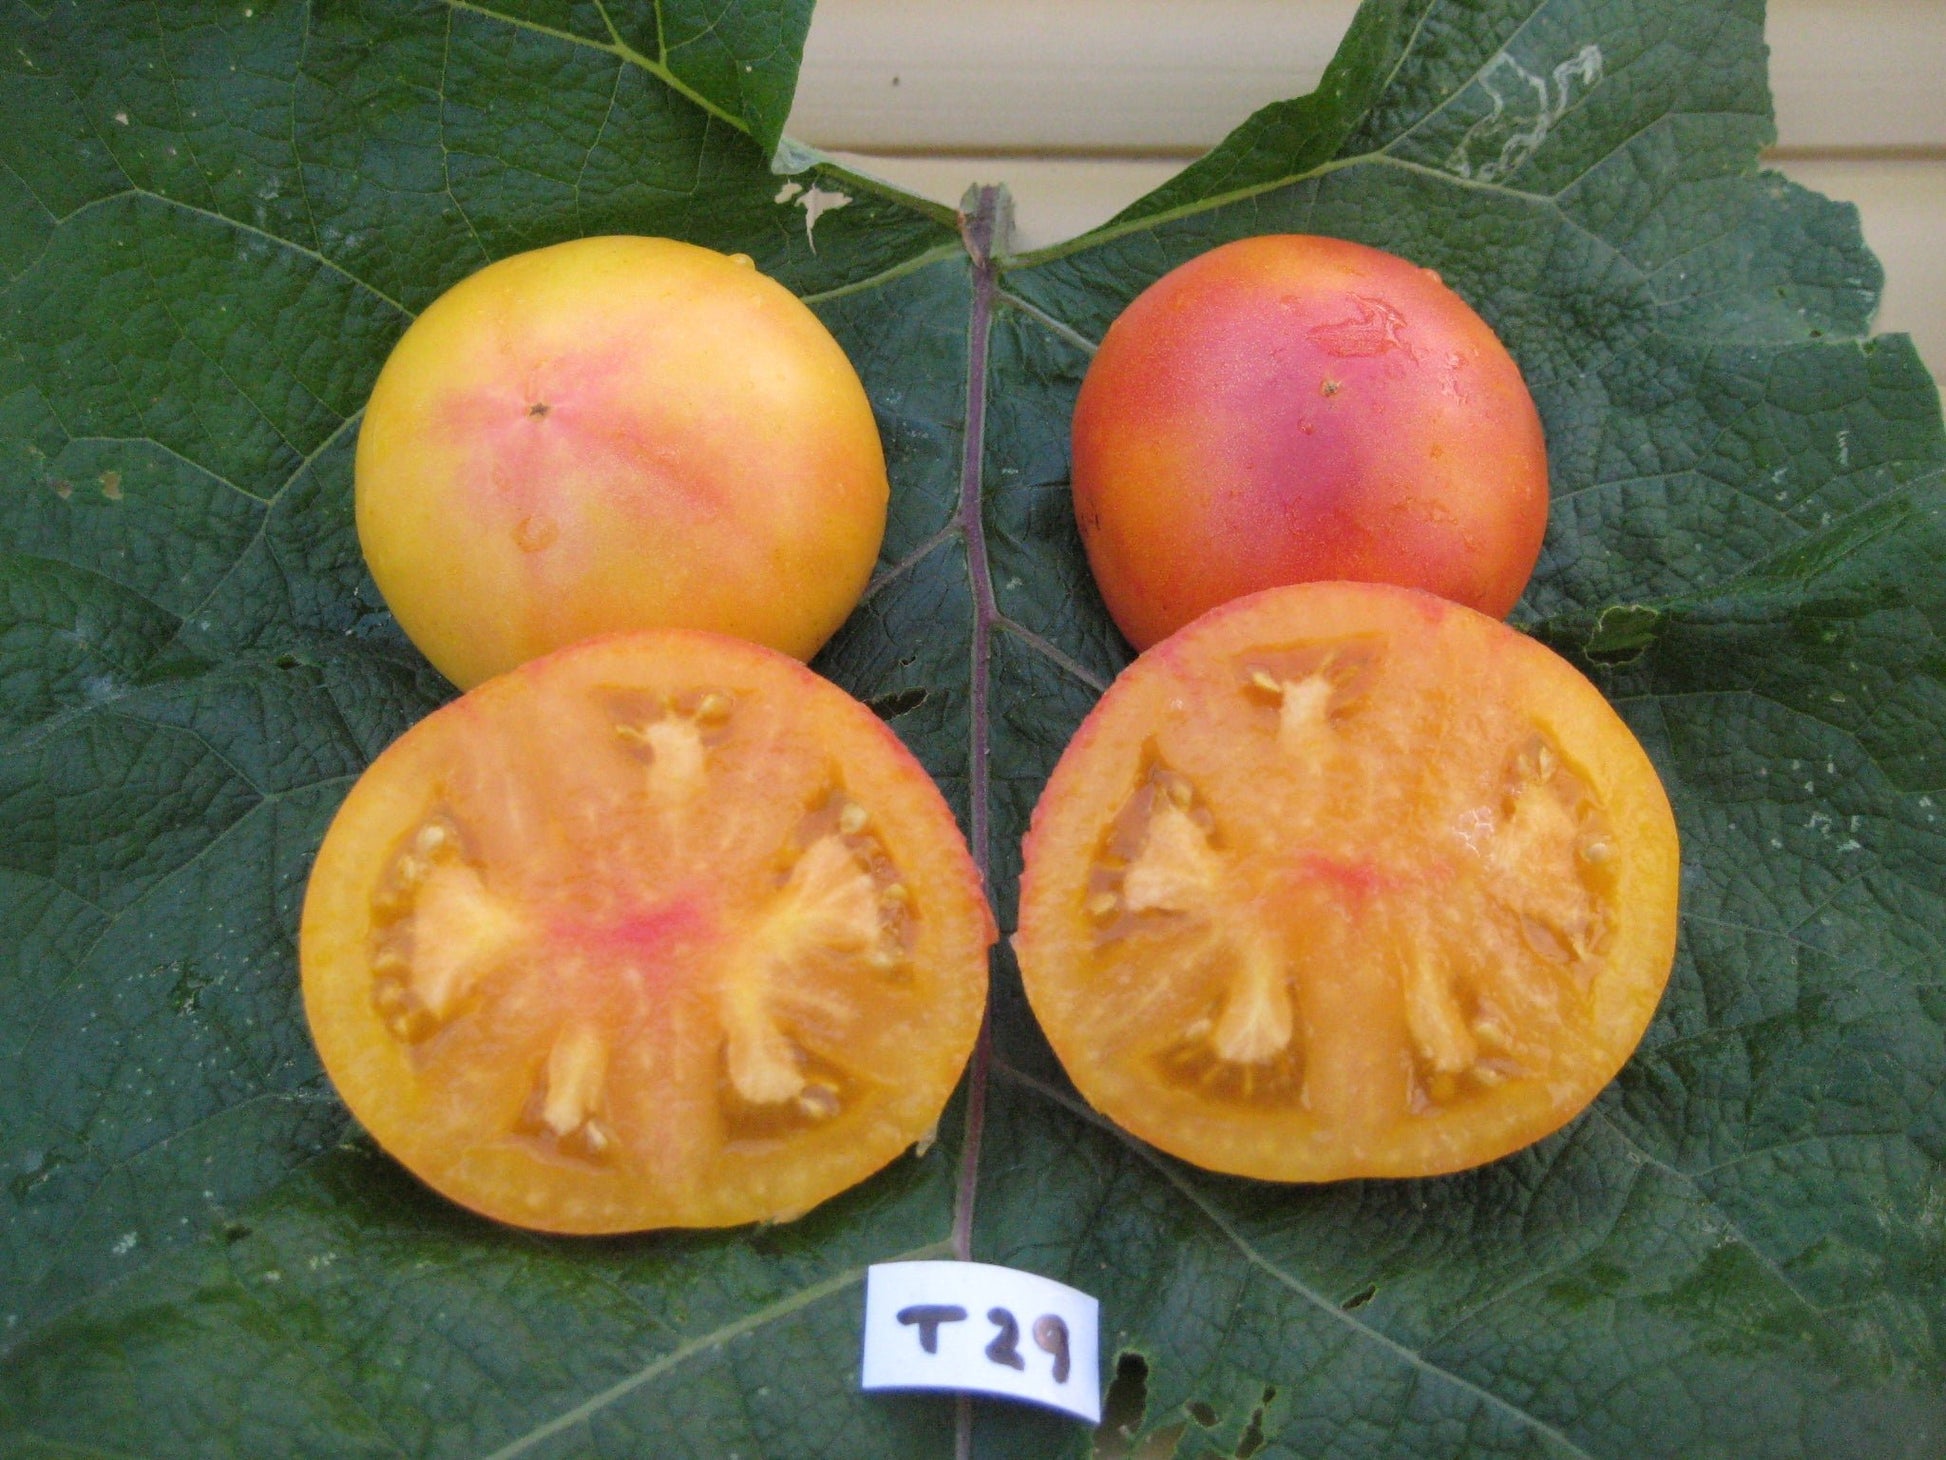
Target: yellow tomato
617, 433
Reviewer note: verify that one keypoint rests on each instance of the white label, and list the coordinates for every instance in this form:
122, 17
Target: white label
988, 1330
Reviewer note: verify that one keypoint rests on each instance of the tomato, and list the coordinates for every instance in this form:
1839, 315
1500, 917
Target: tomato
617, 433
1288, 408
1346, 880
660, 930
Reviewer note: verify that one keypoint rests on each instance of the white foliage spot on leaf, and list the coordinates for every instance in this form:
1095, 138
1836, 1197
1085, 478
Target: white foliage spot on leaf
816, 203
124, 1244
1525, 109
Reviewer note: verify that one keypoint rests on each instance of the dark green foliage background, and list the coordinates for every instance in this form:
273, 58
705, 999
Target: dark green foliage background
214, 221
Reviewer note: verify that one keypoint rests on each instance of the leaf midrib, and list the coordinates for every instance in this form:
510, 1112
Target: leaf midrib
982, 232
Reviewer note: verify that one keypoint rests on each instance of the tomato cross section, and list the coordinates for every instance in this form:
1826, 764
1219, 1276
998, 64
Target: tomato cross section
660, 930
1344, 880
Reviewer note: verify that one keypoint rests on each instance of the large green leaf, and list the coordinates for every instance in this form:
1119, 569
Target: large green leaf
215, 219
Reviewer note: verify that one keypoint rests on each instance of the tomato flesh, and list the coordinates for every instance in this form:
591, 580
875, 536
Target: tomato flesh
1344, 880
659, 930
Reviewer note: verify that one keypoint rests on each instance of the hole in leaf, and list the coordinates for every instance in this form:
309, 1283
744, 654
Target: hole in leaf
1161, 1445
1122, 1407
899, 702
1360, 1298
1203, 1414
235, 1231
1254, 1438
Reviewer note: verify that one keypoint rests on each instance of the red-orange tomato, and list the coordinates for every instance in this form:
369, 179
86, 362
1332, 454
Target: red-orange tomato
659, 930
1345, 880
1289, 408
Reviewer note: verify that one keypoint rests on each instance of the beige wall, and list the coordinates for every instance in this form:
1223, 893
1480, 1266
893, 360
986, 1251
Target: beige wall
1080, 106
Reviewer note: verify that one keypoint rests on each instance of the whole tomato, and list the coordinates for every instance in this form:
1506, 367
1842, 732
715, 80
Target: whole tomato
1290, 408
617, 433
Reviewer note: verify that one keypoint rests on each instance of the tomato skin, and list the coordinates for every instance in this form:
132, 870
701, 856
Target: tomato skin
1291, 408
1366, 874
617, 433
633, 902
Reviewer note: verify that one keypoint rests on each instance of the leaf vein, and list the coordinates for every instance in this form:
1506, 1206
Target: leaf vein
1513, 1290
111, 1165
166, 449
306, 1354
580, 173
446, 152
912, 559
1052, 652
918, 261
1730, 1227
150, 195
263, 522
715, 1338
616, 47
156, 883
1048, 322
297, 154
1204, 1208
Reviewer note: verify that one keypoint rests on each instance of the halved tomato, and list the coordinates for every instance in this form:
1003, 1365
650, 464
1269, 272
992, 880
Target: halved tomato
658, 930
1345, 880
